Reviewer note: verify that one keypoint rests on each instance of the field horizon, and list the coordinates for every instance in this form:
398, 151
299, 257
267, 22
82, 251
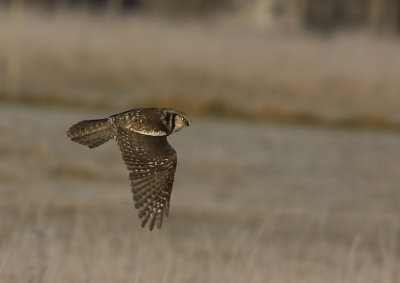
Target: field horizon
342, 79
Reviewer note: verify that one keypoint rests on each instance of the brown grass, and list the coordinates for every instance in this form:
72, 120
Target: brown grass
98, 241
95, 61
251, 202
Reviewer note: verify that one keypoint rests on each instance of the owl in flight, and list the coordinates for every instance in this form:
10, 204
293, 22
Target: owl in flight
141, 136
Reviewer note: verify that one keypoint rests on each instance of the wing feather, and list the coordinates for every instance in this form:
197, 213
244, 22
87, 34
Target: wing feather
152, 163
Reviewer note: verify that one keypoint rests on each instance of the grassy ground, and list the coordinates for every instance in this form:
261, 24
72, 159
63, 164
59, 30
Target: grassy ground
252, 202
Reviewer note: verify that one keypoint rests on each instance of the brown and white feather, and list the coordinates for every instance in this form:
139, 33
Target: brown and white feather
152, 163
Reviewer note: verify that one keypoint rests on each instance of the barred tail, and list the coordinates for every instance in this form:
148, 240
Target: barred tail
91, 133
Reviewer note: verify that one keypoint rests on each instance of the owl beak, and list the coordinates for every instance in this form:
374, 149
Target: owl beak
187, 121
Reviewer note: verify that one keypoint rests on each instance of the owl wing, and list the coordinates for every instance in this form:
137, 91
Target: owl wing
152, 163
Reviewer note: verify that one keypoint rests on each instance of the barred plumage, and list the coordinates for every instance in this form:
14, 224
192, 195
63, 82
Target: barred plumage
141, 136
92, 133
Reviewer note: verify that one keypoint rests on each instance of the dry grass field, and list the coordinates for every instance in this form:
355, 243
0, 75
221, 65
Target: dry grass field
252, 202
96, 61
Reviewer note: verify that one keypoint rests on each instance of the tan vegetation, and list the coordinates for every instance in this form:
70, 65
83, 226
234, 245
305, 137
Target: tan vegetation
274, 204
118, 63
252, 202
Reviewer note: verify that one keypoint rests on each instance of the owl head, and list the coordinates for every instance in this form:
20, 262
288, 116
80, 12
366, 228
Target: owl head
175, 120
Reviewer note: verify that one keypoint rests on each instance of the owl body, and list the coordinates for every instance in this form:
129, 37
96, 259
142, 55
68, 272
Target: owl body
141, 136
150, 121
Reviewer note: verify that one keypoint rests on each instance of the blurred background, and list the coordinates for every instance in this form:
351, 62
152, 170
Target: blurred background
290, 171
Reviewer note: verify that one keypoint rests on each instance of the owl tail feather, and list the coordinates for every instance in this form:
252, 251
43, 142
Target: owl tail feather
92, 133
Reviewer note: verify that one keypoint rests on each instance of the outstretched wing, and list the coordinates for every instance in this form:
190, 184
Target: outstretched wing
152, 162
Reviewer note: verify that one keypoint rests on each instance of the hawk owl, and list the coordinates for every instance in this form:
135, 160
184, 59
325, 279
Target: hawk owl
141, 136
